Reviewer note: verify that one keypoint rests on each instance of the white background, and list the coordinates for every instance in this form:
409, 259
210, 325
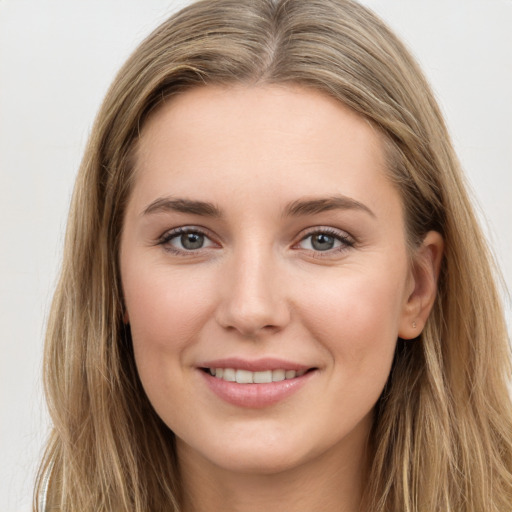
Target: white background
57, 58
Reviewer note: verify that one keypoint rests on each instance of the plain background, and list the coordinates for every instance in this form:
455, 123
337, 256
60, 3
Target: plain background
57, 58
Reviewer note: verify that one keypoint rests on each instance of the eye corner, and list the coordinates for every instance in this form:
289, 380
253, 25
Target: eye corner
329, 241
199, 240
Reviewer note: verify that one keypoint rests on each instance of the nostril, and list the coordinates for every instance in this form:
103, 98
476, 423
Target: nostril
252, 313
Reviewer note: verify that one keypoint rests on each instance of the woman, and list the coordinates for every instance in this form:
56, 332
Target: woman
274, 290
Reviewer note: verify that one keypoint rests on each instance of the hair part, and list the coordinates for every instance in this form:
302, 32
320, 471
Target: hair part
442, 438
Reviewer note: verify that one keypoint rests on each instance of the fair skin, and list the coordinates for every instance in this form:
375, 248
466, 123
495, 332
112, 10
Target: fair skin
263, 235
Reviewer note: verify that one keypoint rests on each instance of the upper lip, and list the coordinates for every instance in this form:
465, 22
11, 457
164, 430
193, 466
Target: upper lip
254, 365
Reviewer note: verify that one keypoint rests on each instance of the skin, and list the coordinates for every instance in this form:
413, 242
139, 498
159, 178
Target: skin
258, 287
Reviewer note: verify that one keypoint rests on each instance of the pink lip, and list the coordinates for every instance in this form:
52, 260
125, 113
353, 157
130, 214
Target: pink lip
256, 365
254, 396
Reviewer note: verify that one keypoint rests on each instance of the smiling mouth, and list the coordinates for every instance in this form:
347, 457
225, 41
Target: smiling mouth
262, 377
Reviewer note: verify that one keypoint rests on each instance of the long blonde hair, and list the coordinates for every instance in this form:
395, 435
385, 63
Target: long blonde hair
442, 438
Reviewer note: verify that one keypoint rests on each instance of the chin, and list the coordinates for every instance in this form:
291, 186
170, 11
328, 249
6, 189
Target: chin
258, 462
249, 465
253, 455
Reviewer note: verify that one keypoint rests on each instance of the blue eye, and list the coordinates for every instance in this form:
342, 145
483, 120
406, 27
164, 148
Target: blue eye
325, 240
186, 240
191, 241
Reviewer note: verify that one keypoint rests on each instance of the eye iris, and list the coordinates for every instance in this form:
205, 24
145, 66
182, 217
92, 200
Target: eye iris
322, 242
192, 240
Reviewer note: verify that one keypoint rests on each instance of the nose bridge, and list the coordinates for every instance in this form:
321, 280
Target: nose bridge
253, 298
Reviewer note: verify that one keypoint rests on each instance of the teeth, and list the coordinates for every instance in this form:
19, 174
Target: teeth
278, 375
229, 374
263, 377
244, 377
247, 377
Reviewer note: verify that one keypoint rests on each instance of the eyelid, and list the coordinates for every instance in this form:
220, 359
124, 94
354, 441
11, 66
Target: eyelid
346, 239
165, 239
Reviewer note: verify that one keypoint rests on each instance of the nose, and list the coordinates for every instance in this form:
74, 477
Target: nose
253, 299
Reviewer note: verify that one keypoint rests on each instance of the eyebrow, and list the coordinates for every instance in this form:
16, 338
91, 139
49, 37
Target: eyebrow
169, 204
314, 206
300, 207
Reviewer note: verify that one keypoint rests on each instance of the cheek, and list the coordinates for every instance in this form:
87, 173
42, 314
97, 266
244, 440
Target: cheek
356, 318
166, 312
166, 308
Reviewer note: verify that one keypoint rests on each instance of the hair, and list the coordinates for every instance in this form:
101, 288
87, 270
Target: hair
442, 435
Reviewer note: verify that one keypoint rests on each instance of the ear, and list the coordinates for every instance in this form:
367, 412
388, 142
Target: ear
425, 267
126, 318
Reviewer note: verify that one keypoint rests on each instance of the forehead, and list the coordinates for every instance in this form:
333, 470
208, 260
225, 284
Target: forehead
257, 139
244, 113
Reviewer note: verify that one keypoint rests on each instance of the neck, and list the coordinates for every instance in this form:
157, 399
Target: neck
332, 481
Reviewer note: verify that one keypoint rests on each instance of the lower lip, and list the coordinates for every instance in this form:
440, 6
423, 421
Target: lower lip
255, 396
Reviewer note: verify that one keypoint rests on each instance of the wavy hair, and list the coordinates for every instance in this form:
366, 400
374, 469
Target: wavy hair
442, 436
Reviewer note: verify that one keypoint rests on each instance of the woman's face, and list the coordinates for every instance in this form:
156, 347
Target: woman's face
262, 241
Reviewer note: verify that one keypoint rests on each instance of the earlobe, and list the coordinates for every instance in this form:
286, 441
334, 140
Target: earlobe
126, 318
426, 265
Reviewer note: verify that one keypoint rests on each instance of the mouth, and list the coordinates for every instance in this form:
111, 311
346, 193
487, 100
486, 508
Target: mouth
255, 384
243, 376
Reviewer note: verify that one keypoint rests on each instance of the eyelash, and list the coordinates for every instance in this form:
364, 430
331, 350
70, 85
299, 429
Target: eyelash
346, 241
167, 237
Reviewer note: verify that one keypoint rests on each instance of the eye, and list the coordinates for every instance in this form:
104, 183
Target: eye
186, 239
323, 240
